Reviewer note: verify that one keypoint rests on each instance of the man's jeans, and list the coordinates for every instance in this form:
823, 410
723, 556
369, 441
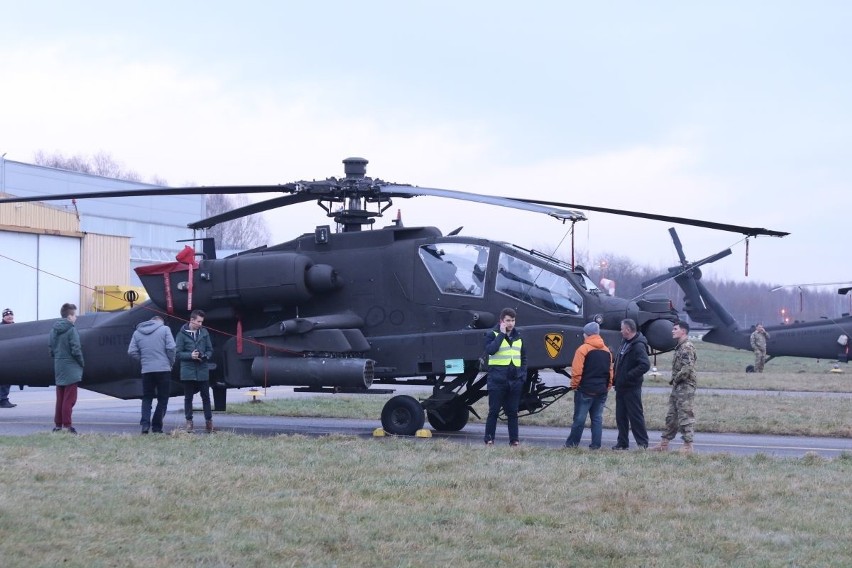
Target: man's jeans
587, 404
155, 384
503, 394
189, 390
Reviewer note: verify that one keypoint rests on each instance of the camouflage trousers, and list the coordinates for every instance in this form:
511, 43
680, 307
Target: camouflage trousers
759, 360
680, 416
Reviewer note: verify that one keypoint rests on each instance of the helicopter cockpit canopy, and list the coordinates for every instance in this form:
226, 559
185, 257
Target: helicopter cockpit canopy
460, 268
588, 283
537, 286
457, 268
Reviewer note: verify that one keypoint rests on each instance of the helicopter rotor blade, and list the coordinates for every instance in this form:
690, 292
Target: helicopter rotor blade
356, 186
687, 267
536, 207
673, 272
160, 191
712, 258
748, 231
251, 210
678, 246
810, 285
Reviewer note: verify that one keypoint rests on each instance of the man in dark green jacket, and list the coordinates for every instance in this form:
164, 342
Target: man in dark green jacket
194, 350
67, 353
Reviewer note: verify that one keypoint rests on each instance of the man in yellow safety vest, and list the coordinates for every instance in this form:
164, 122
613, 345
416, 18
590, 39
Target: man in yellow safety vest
507, 371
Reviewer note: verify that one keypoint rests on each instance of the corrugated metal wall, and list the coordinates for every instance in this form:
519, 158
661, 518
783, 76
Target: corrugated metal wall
37, 217
106, 262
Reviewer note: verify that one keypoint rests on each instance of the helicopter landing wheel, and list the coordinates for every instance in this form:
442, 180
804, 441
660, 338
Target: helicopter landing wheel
403, 416
453, 418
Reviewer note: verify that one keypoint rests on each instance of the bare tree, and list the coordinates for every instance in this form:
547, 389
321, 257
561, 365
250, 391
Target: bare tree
244, 233
101, 164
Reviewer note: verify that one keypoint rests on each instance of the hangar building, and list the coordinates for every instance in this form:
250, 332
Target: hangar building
58, 251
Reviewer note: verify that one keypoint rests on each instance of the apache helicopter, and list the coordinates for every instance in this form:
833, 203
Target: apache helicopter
825, 339
346, 310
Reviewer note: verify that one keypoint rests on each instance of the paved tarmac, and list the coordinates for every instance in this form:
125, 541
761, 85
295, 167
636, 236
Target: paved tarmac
99, 414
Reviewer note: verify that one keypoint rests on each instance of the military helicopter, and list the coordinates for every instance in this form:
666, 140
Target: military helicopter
825, 339
346, 310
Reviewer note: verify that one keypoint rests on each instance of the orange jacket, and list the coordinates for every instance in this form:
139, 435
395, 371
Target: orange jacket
593, 342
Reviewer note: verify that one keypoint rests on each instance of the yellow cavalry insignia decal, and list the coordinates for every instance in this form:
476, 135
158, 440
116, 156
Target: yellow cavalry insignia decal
553, 344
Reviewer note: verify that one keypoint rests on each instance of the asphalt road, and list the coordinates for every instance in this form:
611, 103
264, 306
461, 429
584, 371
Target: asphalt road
99, 414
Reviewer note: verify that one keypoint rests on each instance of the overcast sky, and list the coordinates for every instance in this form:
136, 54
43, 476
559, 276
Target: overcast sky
736, 112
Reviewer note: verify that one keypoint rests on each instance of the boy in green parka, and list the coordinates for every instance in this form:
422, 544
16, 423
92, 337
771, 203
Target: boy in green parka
67, 353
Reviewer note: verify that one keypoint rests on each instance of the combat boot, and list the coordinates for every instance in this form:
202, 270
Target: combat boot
208, 425
663, 446
189, 425
686, 448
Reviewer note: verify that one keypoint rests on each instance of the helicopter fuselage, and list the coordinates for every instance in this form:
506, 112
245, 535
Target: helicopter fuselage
347, 309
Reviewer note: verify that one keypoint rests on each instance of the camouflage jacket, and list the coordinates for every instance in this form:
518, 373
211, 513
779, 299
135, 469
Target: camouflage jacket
758, 340
683, 364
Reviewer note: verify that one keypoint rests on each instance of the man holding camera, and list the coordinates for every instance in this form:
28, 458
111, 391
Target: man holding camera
194, 350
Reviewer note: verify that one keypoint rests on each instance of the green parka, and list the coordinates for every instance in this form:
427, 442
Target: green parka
67, 353
187, 341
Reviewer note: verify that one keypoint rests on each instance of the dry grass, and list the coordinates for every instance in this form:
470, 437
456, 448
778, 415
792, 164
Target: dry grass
720, 359
228, 500
745, 414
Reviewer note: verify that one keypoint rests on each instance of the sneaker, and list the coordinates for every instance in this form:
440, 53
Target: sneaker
7, 404
514, 443
189, 426
72, 430
489, 442
144, 430
57, 429
617, 447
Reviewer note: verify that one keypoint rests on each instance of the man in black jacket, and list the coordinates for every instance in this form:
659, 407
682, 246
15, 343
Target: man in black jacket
631, 364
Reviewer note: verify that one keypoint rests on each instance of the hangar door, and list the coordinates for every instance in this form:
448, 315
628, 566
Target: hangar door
38, 273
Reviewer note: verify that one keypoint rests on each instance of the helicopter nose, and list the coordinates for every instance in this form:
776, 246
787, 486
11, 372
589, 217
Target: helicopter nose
659, 334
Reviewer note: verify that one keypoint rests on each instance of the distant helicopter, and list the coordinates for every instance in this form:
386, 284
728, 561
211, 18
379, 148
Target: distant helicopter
825, 339
345, 310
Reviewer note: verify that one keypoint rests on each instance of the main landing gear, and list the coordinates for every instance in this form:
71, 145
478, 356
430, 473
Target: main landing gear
449, 407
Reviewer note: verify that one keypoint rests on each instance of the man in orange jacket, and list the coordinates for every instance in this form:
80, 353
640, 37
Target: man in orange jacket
591, 379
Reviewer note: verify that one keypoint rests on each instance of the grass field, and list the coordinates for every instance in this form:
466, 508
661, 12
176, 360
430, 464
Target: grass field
228, 500
747, 414
718, 358
771, 414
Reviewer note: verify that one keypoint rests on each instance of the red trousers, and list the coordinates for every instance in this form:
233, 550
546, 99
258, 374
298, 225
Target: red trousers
66, 398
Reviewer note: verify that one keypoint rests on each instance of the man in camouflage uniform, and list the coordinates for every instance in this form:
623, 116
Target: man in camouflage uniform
758, 345
680, 415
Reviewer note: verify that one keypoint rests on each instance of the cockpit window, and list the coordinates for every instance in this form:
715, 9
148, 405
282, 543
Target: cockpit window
537, 286
588, 283
456, 268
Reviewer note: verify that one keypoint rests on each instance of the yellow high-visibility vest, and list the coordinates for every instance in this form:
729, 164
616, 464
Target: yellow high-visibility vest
507, 354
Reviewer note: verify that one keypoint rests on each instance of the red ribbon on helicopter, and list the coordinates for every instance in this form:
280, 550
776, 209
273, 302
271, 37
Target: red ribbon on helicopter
170, 307
187, 256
